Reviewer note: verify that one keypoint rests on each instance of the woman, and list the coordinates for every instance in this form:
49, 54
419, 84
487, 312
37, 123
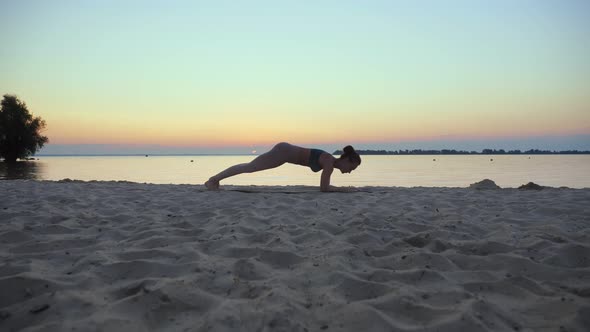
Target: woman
286, 153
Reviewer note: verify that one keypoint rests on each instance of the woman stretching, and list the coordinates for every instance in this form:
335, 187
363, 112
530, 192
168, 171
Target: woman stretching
286, 153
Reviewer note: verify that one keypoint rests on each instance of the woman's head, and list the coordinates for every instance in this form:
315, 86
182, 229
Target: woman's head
350, 160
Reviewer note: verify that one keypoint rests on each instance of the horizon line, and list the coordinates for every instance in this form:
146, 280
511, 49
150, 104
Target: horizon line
427, 152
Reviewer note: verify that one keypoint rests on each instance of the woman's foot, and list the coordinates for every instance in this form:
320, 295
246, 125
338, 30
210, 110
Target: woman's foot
212, 184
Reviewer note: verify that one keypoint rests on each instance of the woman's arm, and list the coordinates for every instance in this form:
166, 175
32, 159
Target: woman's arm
327, 163
325, 179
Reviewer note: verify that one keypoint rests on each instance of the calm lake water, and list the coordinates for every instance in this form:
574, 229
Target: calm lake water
404, 171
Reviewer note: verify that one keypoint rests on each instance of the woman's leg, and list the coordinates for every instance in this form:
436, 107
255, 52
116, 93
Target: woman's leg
277, 156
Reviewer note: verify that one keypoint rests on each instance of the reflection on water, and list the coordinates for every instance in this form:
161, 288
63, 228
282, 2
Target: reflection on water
28, 170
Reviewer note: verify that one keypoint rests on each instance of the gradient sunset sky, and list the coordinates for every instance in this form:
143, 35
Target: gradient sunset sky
202, 76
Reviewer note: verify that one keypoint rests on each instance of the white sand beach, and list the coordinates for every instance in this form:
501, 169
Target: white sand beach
114, 256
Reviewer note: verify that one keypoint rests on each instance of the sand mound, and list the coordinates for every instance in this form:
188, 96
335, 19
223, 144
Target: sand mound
484, 184
530, 186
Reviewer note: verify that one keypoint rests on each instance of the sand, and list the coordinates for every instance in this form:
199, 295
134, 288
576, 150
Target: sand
112, 256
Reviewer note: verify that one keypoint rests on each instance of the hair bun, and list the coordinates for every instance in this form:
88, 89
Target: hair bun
348, 149
349, 153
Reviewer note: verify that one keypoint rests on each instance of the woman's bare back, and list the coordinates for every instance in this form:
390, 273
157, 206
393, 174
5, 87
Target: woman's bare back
293, 154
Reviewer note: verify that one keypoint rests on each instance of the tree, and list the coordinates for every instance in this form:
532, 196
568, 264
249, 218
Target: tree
20, 132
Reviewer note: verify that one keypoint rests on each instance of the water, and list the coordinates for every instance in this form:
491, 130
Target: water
403, 171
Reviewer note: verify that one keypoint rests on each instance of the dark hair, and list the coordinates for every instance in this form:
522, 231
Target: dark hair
348, 152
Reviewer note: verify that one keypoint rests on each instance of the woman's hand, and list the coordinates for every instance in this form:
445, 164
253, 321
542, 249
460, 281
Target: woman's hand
349, 189
342, 189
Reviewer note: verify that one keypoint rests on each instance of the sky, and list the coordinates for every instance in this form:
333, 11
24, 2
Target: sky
240, 76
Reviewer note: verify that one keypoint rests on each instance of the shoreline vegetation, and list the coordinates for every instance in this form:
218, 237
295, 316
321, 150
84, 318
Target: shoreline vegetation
462, 152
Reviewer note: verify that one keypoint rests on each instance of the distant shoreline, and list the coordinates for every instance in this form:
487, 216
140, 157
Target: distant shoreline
456, 152
339, 152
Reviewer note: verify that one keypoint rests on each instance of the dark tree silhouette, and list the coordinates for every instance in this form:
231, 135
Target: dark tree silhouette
20, 132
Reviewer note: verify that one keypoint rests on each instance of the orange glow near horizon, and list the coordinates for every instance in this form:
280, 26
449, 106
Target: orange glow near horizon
249, 134
469, 114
